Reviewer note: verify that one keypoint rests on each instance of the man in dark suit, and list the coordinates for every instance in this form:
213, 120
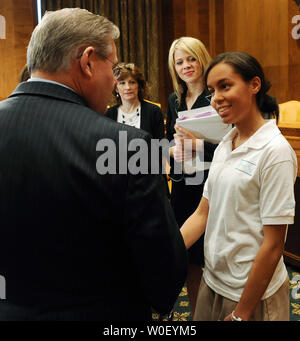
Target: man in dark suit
74, 244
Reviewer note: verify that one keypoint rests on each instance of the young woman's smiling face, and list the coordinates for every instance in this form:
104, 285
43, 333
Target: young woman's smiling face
187, 67
232, 97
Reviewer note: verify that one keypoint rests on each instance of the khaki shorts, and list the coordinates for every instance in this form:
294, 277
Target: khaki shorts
213, 307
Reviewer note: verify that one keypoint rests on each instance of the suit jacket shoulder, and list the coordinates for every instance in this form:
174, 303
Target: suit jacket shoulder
51, 146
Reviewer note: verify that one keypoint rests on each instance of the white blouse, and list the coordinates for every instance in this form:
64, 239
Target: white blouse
132, 119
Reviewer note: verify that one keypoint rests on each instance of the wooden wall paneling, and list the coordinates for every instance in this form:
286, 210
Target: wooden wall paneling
257, 27
216, 27
291, 131
6, 46
294, 55
291, 250
190, 18
179, 18
192, 26
261, 29
212, 27
197, 20
20, 20
219, 27
166, 30
276, 62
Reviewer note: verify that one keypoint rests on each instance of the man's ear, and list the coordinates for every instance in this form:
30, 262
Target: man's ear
255, 85
86, 62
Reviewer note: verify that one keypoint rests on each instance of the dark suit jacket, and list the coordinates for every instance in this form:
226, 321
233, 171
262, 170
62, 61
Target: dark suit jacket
76, 245
152, 119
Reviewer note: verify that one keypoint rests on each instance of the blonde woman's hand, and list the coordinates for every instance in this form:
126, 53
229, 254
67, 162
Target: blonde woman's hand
182, 151
186, 145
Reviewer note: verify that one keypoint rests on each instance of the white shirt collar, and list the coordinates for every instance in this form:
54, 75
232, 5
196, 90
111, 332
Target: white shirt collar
49, 81
260, 138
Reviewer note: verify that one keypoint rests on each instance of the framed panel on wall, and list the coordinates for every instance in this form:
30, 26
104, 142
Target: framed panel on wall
17, 21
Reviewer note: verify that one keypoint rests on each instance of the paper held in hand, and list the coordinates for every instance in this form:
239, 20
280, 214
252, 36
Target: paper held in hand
204, 123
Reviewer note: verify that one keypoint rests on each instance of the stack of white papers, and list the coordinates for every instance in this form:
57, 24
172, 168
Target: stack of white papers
204, 123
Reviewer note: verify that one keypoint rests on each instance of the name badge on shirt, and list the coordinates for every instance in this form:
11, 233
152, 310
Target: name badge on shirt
247, 167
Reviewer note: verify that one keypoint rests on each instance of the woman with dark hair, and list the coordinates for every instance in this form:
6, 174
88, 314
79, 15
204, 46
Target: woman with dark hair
247, 66
248, 200
131, 108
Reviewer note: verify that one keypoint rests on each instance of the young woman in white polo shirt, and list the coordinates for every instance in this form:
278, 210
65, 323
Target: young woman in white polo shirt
248, 200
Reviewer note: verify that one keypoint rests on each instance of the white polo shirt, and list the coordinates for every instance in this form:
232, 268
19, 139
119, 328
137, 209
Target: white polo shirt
246, 188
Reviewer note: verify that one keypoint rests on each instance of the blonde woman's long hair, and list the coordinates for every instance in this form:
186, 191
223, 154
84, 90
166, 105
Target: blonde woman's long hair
195, 48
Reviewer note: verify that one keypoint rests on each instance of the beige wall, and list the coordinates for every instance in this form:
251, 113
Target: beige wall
19, 17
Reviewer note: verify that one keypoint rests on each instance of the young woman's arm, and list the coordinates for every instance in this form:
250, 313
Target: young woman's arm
195, 225
262, 271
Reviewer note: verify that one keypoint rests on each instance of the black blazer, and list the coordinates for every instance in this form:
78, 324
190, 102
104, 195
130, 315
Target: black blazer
74, 244
152, 119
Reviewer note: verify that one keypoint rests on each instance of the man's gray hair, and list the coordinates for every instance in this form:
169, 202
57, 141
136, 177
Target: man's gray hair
63, 34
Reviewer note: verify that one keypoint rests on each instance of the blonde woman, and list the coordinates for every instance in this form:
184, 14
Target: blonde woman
187, 60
